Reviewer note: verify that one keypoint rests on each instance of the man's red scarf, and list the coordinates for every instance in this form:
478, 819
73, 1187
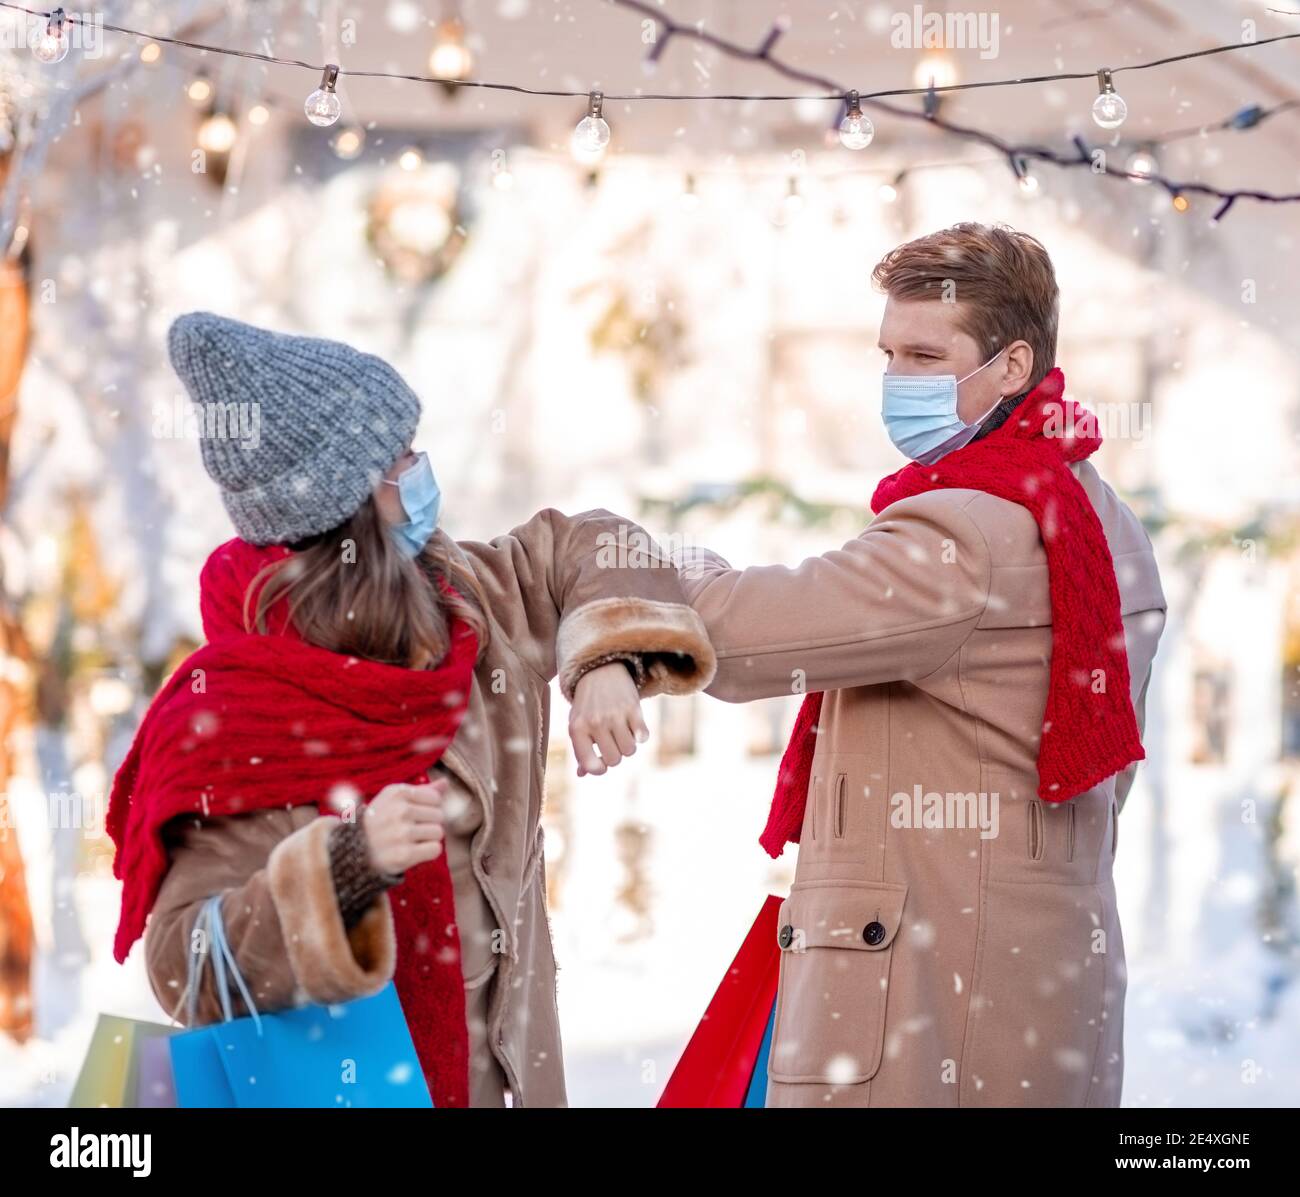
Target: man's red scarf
1087, 735
251, 721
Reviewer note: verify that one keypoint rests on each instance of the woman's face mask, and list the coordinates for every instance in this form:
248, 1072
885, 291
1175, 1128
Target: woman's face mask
920, 413
421, 500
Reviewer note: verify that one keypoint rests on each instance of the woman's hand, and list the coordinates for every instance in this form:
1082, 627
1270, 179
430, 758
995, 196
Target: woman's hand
404, 825
606, 714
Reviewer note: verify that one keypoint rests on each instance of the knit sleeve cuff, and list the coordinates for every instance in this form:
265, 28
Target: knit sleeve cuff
356, 882
635, 666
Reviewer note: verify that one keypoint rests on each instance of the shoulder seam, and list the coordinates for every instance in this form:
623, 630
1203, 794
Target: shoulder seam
988, 590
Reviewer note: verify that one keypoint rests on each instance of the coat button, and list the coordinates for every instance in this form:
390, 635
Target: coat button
785, 936
873, 933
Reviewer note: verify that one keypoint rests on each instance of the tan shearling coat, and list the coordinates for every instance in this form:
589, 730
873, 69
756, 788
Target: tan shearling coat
558, 599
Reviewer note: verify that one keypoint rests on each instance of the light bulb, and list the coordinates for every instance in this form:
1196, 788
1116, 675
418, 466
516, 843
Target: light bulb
591, 134
51, 44
410, 159
347, 143
217, 134
856, 131
1028, 184
1142, 164
689, 199
323, 106
404, 16
793, 198
1108, 109
935, 70
888, 193
259, 114
450, 57
199, 91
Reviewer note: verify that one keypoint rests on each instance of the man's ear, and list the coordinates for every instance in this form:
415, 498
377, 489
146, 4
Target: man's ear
1019, 368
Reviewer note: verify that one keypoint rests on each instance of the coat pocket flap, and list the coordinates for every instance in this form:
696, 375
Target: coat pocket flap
841, 914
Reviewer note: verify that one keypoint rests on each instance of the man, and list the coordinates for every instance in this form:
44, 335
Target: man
976, 664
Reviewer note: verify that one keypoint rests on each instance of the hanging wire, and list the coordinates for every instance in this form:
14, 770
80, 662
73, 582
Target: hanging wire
670, 29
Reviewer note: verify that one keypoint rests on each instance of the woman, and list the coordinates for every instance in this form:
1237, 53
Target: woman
373, 692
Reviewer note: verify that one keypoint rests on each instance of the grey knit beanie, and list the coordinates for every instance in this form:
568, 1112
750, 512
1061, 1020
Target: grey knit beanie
296, 431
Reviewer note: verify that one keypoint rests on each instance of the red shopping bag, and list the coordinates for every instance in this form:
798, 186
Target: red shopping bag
716, 1067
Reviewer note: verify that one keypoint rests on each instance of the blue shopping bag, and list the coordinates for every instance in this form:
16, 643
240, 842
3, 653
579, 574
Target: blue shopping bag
353, 1054
756, 1094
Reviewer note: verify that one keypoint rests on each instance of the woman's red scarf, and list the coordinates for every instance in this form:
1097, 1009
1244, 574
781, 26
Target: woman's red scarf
1087, 735
251, 721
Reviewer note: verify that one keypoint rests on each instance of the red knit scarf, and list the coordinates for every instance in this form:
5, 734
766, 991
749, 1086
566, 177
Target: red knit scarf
251, 721
1087, 734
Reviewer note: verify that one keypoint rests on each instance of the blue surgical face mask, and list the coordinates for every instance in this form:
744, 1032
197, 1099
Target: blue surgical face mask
920, 413
421, 500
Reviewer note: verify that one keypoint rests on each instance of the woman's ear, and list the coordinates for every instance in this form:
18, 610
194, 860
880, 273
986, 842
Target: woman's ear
388, 502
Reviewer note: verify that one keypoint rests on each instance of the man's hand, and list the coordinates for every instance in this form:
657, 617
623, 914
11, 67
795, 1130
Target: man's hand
606, 714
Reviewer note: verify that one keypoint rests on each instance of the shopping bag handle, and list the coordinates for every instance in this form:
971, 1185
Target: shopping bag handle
215, 944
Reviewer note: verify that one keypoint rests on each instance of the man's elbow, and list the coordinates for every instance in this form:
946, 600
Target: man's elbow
728, 684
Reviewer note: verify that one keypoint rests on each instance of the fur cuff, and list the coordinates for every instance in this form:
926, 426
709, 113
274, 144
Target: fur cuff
330, 964
670, 639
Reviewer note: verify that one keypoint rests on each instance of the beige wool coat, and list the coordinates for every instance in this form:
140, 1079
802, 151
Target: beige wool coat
959, 950
561, 595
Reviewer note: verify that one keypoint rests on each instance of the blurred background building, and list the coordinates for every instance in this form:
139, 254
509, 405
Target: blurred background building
682, 329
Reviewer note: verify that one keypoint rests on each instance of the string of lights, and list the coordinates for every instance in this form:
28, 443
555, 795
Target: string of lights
1244, 118
218, 133
1109, 111
1142, 161
51, 42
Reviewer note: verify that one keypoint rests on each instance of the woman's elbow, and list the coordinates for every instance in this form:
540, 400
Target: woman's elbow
166, 955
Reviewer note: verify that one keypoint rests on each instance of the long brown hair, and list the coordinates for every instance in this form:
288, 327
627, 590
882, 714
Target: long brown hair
351, 590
